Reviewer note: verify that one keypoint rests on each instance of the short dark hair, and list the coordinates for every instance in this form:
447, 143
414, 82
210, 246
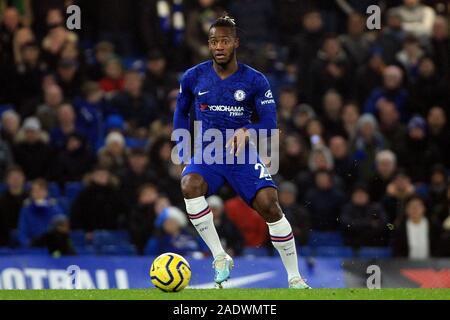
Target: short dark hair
225, 21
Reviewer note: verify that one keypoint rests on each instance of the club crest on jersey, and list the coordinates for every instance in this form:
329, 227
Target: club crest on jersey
239, 95
269, 94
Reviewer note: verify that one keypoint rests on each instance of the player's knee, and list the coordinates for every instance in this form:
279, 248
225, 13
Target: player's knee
270, 210
193, 186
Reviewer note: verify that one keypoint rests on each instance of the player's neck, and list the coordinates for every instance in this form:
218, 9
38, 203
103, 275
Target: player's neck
226, 70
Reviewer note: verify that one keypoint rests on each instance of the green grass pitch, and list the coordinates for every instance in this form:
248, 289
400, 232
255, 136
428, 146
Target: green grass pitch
230, 294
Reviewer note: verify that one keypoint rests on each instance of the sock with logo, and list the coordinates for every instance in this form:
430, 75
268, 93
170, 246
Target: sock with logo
283, 240
202, 219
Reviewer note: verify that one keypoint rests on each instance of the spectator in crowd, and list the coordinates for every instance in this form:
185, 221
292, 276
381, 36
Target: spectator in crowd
31, 150
418, 156
113, 154
440, 46
174, 235
416, 17
416, 236
68, 77
349, 117
368, 142
10, 23
48, 110
103, 51
138, 109
396, 195
428, 90
369, 76
410, 56
297, 216
356, 42
344, 165
10, 125
74, 160
11, 202
57, 238
391, 37
99, 205
287, 103
158, 79
324, 201
329, 70
66, 126
248, 221
113, 80
231, 238
331, 115
363, 222
36, 214
392, 91
301, 117
135, 175
439, 133
437, 188
142, 217
5, 158
294, 156
385, 169
392, 129
160, 154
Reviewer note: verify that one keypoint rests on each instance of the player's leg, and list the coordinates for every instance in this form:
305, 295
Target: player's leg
197, 181
266, 204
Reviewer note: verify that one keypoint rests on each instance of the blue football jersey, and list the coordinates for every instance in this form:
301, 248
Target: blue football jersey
225, 103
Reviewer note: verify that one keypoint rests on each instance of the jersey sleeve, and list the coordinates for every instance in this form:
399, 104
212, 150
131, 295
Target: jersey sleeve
184, 101
265, 106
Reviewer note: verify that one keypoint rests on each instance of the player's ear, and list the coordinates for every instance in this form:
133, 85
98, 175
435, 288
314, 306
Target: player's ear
236, 43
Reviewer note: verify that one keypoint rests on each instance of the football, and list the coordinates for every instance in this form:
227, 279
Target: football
170, 272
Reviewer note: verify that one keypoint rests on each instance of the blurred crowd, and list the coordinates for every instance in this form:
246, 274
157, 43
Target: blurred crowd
363, 114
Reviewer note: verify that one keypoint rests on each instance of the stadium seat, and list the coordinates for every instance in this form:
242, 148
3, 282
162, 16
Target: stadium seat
83, 250
122, 249
374, 252
5, 251
106, 237
32, 251
325, 238
71, 190
78, 238
333, 251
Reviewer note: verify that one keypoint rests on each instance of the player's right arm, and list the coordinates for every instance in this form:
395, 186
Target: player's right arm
184, 101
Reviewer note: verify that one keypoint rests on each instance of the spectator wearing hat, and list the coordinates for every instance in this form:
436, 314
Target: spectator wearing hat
324, 202
11, 202
416, 236
232, 240
138, 108
36, 214
391, 92
99, 205
113, 154
141, 224
297, 216
418, 156
31, 151
363, 222
57, 238
385, 170
173, 235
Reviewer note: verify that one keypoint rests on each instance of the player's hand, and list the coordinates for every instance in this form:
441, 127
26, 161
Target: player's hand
238, 141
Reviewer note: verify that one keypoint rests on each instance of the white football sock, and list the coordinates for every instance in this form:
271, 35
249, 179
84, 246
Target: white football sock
283, 240
202, 219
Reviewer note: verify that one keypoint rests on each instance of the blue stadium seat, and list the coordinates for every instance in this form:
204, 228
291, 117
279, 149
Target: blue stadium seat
330, 251
122, 249
32, 251
375, 252
305, 251
78, 238
5, 251
72, 189
325, 238
83, 250
106, 237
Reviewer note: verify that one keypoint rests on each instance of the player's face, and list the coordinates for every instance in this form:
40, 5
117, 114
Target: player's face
222, 44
